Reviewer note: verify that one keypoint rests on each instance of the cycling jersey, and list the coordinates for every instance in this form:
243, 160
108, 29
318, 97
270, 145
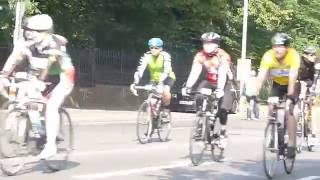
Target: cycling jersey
159, 67
212, 63
306, 72
38, 56
280, 72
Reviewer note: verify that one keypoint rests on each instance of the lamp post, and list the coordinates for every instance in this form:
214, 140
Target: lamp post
244, 64
20, 9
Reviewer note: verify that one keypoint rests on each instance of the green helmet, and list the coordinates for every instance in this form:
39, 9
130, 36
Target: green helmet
280, 39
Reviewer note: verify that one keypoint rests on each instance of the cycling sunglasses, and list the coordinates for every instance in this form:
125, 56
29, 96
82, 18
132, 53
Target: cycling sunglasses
155, 47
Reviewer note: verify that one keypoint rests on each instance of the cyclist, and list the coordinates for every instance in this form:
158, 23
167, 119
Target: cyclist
307, 80
250, 92
158, 63
42, 50
282, 62
216, 64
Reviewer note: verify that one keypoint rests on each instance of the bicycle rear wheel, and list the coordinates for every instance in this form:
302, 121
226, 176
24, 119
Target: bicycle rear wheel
65, 142
164, 129
144, 123
14, 125
270, 149
198, 143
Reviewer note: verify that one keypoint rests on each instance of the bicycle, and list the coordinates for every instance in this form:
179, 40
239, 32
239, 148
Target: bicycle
151, 117
23, 136
304, 129
202, 132
276, 139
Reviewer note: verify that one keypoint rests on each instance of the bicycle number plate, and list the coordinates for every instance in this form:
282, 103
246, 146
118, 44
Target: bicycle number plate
206, 91
273, 100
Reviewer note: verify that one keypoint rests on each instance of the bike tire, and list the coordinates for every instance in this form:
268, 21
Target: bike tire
270, 144
197, 142
300, 134
288, 165
164, 129
144, 123
65, 143
10, 142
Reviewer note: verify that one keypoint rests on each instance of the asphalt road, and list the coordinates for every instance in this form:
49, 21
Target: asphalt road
106, 148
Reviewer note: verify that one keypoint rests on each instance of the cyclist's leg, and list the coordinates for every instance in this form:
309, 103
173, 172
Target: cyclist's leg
168, 83
291, 126
225, 105
59, 93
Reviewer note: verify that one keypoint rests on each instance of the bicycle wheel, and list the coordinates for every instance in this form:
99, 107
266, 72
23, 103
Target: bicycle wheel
65, 142
13, 135
164, 129
288, 163
300, 134
270, 149
198, 143
144, 123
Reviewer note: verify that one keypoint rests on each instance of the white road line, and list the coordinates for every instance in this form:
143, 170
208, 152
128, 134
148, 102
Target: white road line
176, 164
126, 150
310, 178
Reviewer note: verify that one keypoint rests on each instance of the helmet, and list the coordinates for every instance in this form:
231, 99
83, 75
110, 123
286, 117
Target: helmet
280, 39
155, 42
211, 37
309, 50
40, 22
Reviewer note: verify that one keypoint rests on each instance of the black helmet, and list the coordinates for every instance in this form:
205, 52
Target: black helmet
211, 37
280, 39
309, 50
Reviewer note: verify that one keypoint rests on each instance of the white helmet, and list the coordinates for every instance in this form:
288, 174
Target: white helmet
40, 22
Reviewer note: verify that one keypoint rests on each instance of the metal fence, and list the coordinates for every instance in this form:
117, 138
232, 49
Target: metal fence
105, 66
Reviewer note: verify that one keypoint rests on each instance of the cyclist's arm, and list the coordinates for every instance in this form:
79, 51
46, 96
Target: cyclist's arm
263, 71
17, 56
194, 73
140, 69
261, 78
166, 66
293, 74
222, 74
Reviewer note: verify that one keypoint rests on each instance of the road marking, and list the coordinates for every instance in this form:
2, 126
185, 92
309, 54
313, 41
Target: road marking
126, 150
310, 178
176, 164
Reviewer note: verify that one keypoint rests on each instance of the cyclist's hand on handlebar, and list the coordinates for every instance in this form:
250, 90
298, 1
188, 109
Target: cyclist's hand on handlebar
185, 91
133, 89
219, 93
160, 88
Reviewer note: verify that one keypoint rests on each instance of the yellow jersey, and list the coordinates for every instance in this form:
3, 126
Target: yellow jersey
280, 71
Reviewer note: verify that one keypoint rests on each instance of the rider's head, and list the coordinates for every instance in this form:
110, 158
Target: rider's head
211, 42
38, 27
155, 46
280, 43
309, 54
253, 72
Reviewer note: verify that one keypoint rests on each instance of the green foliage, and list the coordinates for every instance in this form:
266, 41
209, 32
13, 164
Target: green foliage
128, 24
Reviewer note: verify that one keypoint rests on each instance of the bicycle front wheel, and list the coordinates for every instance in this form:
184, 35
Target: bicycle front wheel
65, 142
270, 149
300, 134
164, 129
198, 143
14, 126
144, 123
